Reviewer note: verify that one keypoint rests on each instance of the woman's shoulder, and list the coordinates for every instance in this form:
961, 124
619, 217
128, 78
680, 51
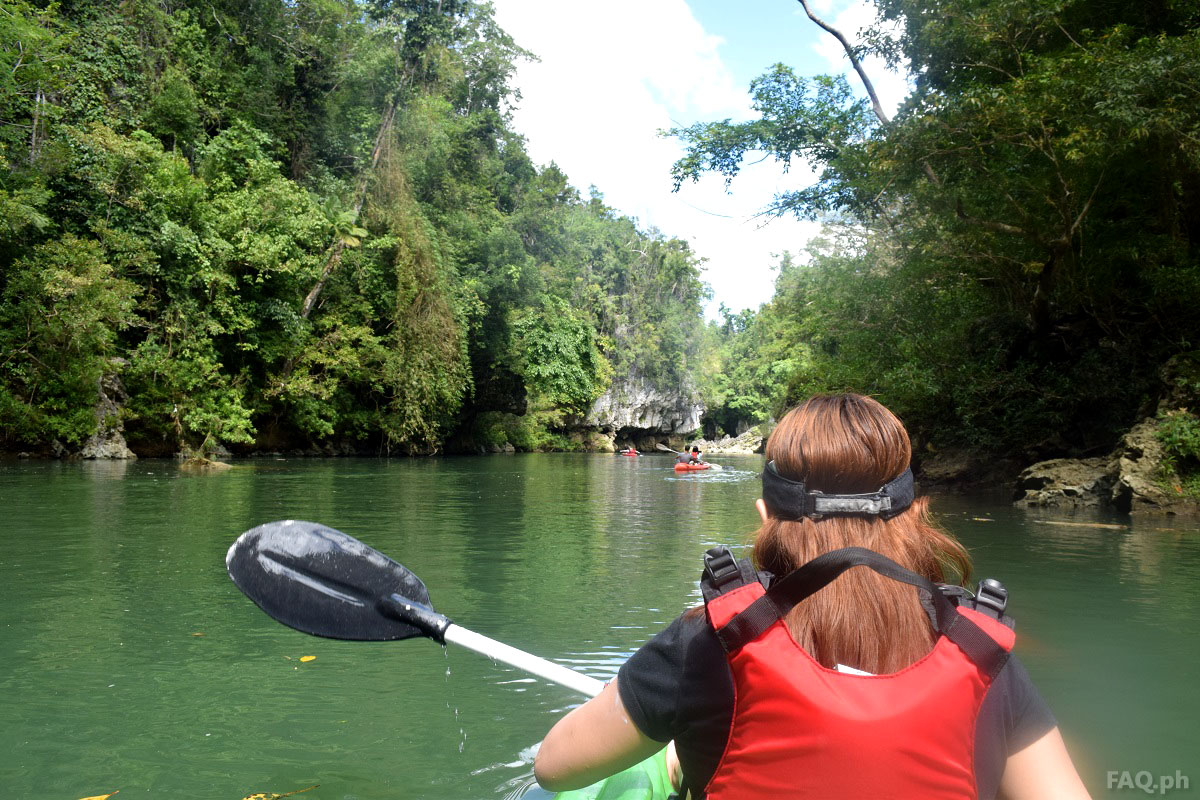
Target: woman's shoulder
678, 657
677, 677
679, 637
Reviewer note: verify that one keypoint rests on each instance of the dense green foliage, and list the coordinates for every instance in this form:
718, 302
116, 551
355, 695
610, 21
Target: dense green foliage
1179, 425
752, 358
1010, 259
307, 223
311, 224
1180, 435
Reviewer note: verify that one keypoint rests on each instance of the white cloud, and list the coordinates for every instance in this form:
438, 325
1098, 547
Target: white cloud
610, 77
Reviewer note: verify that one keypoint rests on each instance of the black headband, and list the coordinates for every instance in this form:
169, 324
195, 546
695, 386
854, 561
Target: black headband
789, 499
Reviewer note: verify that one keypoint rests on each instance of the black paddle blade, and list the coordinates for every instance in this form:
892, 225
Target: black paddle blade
321, 581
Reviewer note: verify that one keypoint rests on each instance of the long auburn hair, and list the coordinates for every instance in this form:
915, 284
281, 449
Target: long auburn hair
845, 444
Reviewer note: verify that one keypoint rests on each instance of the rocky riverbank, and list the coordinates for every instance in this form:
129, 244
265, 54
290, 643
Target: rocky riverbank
1143, 473
748, 443
1131, 479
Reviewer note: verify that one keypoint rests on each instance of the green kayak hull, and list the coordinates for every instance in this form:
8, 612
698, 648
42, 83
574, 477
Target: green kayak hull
648, 780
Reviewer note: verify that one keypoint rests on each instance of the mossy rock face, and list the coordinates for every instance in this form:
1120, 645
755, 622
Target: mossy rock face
1066, 482
599, 443
1132, 479
202, 464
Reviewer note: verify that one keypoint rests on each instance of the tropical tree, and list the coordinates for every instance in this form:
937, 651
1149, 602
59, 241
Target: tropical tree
1019, 258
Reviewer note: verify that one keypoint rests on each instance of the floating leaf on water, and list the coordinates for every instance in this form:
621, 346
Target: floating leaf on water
271, 795
100, 796
306, 659
197, 634
982, 519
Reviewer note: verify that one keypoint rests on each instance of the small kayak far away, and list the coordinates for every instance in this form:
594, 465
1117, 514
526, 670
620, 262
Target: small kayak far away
691, 467
629, 453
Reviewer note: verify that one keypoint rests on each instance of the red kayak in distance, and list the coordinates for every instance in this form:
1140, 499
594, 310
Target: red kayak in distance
630, 453
691, 467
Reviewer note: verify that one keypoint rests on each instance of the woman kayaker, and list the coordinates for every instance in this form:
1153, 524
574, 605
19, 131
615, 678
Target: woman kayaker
848, 682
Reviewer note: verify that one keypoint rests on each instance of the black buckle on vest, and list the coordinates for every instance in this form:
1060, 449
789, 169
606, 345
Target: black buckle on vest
720, 566
991, 598
956, 594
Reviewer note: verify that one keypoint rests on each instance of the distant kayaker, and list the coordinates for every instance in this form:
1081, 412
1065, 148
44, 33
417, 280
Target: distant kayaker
849, 683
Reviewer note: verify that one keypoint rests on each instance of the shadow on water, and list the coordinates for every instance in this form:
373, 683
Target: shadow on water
132, 662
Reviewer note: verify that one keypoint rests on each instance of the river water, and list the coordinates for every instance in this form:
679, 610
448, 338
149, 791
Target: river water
129, 661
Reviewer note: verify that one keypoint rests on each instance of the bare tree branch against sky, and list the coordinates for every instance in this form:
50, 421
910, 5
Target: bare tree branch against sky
611, 76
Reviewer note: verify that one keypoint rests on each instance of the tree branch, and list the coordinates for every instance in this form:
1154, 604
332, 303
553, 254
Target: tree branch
875, 104
1086, 206
992, 225
360, 196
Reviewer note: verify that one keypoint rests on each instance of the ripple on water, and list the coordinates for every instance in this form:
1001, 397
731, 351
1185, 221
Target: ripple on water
576, 558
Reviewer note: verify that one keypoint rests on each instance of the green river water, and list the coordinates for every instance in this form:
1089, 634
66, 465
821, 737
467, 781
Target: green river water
129, 661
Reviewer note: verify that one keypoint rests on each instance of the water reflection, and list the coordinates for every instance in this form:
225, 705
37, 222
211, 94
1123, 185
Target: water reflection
105, 470
113, 568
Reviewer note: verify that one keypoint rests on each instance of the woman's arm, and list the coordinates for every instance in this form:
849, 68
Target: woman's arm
1042, 771
591, 742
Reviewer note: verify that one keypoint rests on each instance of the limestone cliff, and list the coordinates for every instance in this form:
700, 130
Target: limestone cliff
634, 404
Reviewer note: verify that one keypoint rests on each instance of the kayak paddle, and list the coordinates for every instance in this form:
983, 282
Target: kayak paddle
325, 583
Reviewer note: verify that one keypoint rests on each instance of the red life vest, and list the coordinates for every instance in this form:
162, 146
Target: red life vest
800, 730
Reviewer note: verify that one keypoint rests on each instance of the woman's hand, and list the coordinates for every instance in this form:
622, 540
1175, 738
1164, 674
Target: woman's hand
590, 743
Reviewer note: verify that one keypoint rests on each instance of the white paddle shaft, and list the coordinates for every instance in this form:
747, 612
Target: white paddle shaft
525, 661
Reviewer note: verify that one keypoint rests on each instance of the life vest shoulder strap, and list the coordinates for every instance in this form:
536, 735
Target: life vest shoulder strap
724, 574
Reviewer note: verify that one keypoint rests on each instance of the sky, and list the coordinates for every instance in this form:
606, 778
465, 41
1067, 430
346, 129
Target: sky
610, 76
